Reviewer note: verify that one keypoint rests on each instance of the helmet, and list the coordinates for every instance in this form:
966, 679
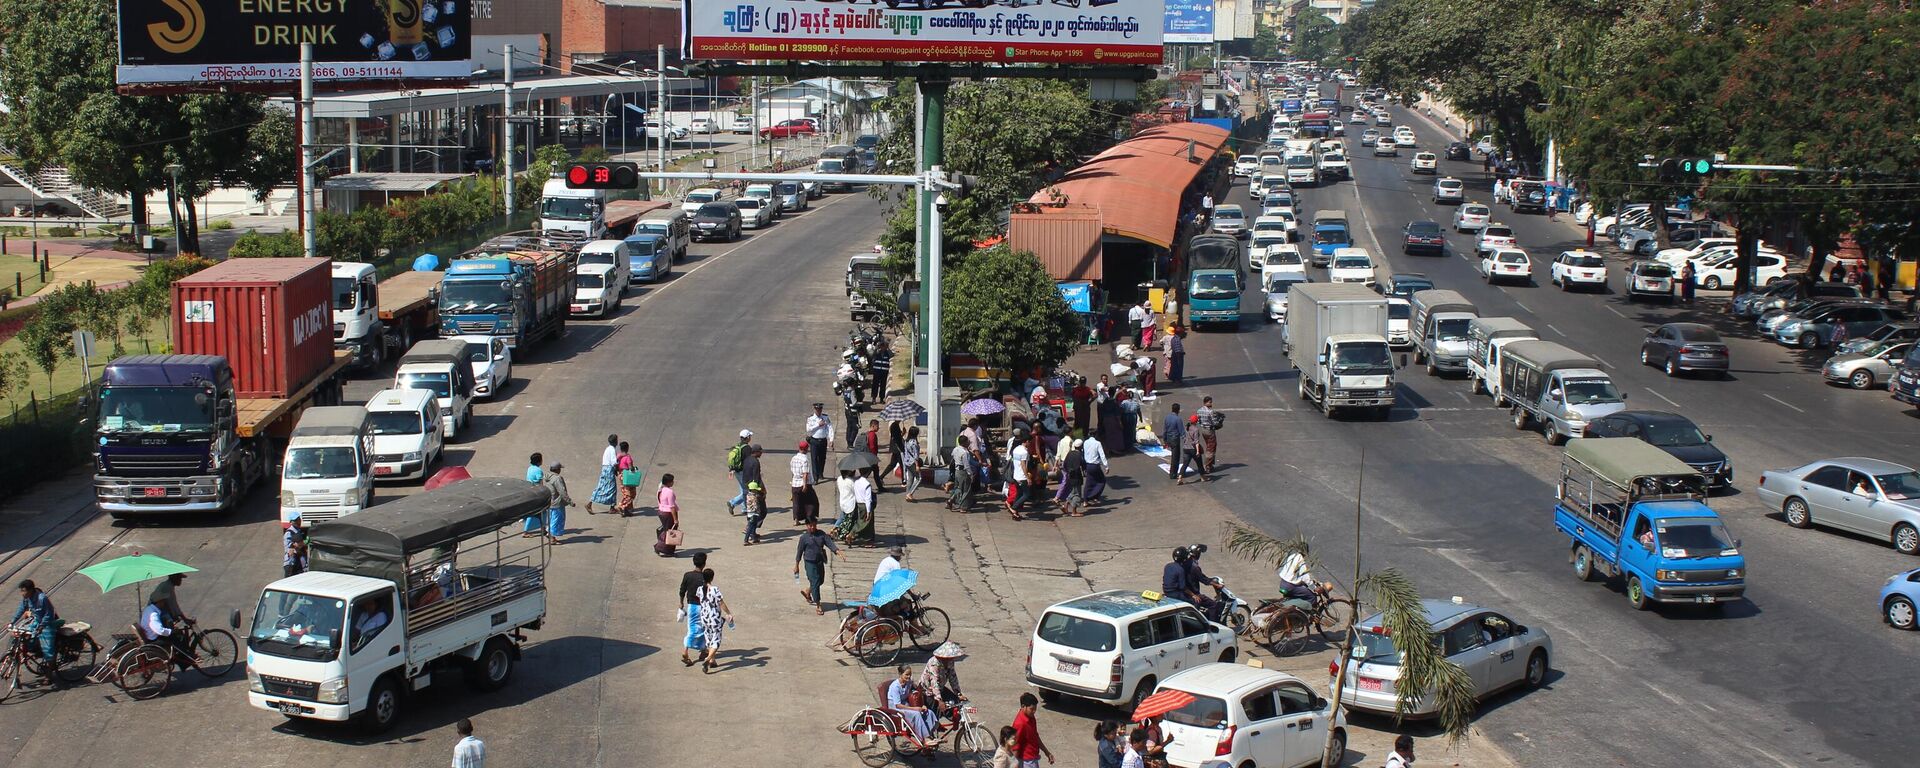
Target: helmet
1179, 554
1196, 550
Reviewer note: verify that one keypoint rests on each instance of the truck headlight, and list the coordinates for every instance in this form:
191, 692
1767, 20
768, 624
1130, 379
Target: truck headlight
286, 498
410, 456
333, 691
1733, 573
253, 682
201, 490
1664, 575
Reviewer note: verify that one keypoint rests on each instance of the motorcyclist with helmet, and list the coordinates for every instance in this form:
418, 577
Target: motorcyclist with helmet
1197, 577
1176, 582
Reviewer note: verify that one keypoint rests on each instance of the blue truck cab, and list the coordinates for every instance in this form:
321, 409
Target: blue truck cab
1632, 511
515, 287
1214, 280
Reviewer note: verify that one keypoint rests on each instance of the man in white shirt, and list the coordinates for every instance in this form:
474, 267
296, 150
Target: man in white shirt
893, 562
1137, 318
155, 629
1402, 754
863, 492
1095, 455
471, 752
1022, 489
1296, 581
819, 436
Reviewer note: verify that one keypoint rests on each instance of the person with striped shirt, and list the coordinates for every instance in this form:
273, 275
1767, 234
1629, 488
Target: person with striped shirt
470, 752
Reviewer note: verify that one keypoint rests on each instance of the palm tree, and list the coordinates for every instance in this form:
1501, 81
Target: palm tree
1424, 670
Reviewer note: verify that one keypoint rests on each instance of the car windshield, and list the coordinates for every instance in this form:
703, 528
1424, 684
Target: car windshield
1215, 287
653, 226
702, 197
596, 257
1587, 391
1655, 269
476, 351
1334, 157
1424, 229
155, 409
432, 382
1693, 537
1371, 648
1077, 633
1493, 232
787, 188
748, 203
1265, 241
1900, 486
395, 422
1362, 359
1279, 285
1300, 161
1451, 329
1697, 334
830, 166
589, 282
1674, 434
1352, 262
1202, 712
646, 247
1474, 210
1450, 185
344, 295
567, 208
716, 210
1585, 261
1223, 212
1510, 257
297, 626
320, 463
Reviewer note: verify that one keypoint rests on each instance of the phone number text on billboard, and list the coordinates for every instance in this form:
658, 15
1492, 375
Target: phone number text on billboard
773, 29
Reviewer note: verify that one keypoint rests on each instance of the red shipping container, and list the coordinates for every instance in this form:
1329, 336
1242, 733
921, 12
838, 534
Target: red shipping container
272, 320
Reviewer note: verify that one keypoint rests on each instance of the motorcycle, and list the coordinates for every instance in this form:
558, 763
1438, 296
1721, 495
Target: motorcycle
1235, 613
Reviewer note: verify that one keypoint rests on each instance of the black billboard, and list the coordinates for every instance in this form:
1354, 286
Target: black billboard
202, 42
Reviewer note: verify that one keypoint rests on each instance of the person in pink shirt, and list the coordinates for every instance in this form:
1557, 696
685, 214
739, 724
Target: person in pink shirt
668, 505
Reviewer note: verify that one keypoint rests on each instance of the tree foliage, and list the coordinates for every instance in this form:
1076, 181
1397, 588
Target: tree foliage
1002, 306
1315, 37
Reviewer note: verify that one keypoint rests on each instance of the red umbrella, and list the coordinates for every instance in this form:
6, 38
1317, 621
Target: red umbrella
1160, 703
447, 476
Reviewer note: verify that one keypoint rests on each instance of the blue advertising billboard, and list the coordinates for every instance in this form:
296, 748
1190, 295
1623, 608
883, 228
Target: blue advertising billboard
1189, 21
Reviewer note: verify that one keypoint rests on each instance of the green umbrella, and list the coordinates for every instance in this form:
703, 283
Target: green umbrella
133, 569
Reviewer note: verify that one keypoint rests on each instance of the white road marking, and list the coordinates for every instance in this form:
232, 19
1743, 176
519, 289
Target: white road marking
1662, 397
1522, 307
1614, 311
1782, 402
1555, 330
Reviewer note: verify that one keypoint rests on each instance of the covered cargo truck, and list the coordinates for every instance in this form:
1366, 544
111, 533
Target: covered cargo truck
514, 287
1336, 335
1556, 388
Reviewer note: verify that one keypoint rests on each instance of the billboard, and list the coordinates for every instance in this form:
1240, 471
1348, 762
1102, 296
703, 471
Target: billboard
210, 42
1189, 21
979, 31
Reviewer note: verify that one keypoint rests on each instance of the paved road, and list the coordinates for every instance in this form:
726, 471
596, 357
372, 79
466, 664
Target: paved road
718, 346
1461, 501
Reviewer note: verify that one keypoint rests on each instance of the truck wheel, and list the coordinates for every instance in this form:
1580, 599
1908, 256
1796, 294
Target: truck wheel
494, 668
1582, 559
1432, 370
1637, 596
383, 707
1521, 419
1474, 386
1303, 389
1553, 435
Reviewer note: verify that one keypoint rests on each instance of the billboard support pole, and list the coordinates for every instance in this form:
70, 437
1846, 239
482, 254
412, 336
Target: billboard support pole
307, 177
932, 140
660, 91
506, 125
930, 303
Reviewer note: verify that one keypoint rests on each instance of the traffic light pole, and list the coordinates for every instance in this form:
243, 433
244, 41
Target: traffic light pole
932, 145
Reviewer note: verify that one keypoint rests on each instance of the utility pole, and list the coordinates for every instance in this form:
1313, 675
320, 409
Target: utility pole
930, 303
506, 124
660, 88
307, 177
933, 100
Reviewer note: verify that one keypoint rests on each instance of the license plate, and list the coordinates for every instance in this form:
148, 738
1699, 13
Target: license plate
383, 470
1703, 598
1369, 684
289, 708
153, 493
1068, 667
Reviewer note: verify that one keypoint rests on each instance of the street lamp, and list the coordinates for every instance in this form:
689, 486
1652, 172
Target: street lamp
173, 209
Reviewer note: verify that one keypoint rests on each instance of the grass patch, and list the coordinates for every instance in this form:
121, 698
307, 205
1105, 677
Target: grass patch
28, 270
67, 376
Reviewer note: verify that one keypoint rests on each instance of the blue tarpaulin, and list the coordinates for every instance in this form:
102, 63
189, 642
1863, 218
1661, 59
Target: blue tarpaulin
1223, 123
1079, 296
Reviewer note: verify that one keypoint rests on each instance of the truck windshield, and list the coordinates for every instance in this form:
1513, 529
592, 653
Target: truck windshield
296, 626
1398, 311
654, 226
472, 295
1693, 537
1452, 329
155, 409
567, 208
1214, 287
395, 422
1361, 359
1300, 161
1330, 234
589, 282
344, 295
1584, 391
320, 463
433, 382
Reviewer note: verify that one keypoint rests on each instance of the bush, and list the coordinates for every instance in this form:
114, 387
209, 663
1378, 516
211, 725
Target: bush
60, 232
254, 245
220, 225
13, 231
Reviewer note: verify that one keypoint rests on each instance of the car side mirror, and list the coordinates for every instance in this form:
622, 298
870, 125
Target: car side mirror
233, 619
333, 638
1318, 703
1709, 437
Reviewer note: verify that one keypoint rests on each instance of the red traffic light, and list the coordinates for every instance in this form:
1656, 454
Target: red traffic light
609, 175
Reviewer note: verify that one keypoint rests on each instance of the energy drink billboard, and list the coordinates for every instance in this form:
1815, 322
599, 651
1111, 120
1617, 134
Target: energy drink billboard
213, 42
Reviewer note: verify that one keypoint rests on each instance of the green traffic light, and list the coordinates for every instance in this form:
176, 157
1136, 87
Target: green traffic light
1697, 166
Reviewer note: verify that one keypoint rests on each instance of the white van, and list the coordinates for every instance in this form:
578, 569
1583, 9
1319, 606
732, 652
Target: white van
1242, 715
407, 439
326, 471
765, 192
612, 253
596, 289
1114, 647
440, 366
671, 223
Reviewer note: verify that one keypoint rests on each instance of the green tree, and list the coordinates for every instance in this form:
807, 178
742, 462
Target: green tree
1315, 37
546, 160
13, 375
1267, 45
1002, 306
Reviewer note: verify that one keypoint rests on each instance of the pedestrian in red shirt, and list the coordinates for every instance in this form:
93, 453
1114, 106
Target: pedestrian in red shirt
1027, 746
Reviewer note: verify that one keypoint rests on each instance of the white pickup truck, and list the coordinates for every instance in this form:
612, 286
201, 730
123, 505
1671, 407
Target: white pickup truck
400, 597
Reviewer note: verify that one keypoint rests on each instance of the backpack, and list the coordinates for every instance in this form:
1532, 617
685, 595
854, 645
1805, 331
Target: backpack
737, 457
1219, 420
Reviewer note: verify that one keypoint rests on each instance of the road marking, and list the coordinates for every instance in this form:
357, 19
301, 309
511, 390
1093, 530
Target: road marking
1782, 402
1522, 307
1603, 361
1555, 330
1615, 311
1669, 401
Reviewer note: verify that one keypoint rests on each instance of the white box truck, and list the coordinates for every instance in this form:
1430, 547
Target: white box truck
1336, 335
399, 598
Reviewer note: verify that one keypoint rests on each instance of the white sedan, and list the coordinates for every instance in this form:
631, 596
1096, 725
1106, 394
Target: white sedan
1424, 162
1506, 264
1471, 217
1494, 236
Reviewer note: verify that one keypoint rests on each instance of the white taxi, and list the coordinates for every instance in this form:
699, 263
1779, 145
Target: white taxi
1493, 235
1239, 715
1351, 265
1280, 222
1506, 264
1403, 136
1115, 646
1265, 243
1424, 162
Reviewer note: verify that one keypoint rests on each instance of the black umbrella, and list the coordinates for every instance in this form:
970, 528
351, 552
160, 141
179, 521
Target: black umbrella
859, 460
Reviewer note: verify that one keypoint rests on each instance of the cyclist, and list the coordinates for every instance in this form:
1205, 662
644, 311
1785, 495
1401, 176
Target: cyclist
163, 594
35, 605
157, 626
940, 679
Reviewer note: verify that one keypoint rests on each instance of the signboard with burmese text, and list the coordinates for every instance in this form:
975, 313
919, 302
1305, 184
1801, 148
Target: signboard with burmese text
218, 42
1112, 32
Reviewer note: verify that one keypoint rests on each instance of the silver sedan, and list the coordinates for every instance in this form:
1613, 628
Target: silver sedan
1867, 496
1498, 652
1868, 368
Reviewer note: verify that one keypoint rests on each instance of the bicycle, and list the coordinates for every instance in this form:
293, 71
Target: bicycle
145, 669
22, 658
1285, 625
973, 743
876, 640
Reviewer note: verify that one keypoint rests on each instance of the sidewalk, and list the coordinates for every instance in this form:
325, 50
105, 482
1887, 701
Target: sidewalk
995, 576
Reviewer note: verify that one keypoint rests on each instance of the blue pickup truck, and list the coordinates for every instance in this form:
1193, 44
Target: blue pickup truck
1632, 511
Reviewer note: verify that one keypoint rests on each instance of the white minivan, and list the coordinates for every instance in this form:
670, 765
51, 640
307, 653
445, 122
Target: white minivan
596, 290
407, 439
1115, 646
1242, 715
612, 253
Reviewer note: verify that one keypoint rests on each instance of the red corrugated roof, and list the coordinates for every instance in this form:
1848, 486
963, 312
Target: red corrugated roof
1137, 183
1066, 239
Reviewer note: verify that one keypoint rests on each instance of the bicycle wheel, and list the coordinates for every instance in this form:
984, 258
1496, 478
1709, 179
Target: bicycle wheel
144, 672
933, 629
1289, 634
877, 643
215, 652
9, 676
77, 663
973, 746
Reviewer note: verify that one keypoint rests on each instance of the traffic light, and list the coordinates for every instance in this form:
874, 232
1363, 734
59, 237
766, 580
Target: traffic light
1696, 166
608, 175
